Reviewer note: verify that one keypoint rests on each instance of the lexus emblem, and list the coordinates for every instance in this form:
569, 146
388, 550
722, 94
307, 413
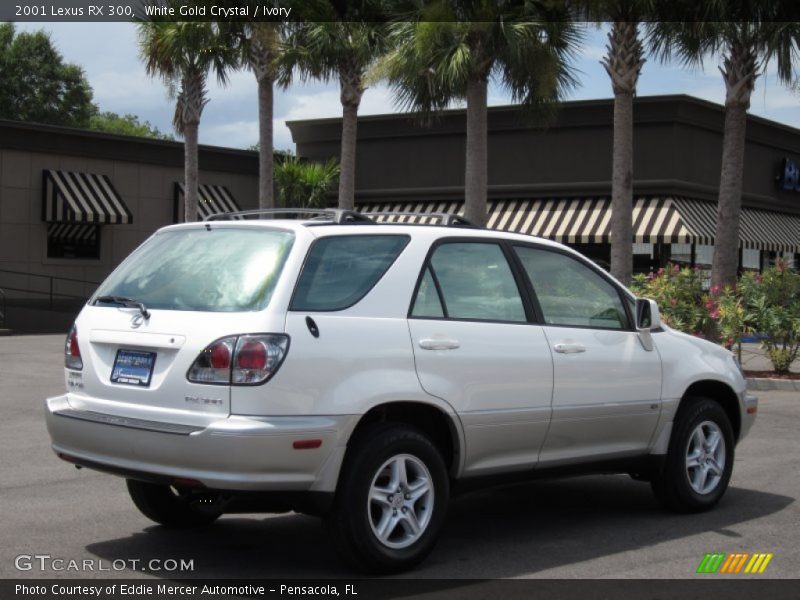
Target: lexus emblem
136, 321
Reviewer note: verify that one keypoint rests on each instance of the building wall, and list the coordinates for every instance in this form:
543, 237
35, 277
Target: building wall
677, 151
143, 173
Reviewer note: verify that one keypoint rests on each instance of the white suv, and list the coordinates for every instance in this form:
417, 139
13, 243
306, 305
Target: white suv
362, 372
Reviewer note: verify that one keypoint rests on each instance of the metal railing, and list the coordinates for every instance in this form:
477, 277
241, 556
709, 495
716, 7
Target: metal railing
52, 287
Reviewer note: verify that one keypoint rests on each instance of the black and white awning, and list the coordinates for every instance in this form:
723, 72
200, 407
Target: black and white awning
588, 220
758, 229
212, 199
74, 233
82, 198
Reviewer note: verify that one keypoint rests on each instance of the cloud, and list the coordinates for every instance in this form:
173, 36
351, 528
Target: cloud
233, 134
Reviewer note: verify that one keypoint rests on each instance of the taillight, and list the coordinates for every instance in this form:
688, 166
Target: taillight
214, 363
240, 360
72, 351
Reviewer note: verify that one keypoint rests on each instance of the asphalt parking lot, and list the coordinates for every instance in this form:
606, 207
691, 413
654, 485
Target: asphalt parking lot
589, 527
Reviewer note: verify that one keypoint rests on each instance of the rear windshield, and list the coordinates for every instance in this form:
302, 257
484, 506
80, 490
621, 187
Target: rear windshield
217, 270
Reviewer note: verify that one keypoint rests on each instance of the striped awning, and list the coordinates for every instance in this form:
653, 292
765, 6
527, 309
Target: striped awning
76, 233
212, 199
81, 198
588, 220
758, 229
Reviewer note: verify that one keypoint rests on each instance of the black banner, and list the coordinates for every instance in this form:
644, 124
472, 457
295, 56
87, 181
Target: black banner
430, 589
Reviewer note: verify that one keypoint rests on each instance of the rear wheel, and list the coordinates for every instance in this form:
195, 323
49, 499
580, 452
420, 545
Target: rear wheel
173, 506
391, 500
700, 458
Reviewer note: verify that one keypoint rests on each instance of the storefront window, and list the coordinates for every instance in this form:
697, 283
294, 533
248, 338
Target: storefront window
703, 255
83, 246
751, 259
681, 254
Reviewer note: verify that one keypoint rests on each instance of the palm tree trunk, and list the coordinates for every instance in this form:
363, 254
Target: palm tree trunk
623, 63
476, 172
347, 178
190, 171
266, 197
729, 207
740, 70
351, 88
622, 189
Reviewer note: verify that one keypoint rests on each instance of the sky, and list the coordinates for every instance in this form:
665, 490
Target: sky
108, 54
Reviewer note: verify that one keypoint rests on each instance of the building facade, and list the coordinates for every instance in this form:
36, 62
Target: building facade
74, 204
554, 181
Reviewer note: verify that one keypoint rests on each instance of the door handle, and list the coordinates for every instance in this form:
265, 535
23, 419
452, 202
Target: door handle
569, 348
438, 344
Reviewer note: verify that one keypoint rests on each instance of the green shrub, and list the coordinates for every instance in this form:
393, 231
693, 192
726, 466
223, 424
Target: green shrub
680, 297
768, 304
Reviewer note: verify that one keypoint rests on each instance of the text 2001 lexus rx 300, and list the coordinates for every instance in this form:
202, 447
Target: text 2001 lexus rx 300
357, 371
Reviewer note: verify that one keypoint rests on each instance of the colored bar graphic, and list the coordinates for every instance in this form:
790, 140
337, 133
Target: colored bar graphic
720, 562
711, 562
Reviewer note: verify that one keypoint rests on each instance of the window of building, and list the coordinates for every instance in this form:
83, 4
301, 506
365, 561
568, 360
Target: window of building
78, 241
340, 270
570, 293
680, 254
476, 282
751, 259
703, 255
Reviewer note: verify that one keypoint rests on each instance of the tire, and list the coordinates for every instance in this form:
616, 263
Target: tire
700, 458
173, 507
358, 518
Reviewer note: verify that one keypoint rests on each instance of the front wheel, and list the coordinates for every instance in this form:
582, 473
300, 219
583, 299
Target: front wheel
391, 500
172, 506
699, 460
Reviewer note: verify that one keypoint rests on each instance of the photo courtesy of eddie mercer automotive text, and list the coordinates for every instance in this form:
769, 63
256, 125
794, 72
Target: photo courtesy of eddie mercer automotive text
341, 366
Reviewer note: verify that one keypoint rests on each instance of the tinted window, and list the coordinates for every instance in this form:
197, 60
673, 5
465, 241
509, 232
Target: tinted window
216, 270
570, 293
340, 270
427, 303
476, 282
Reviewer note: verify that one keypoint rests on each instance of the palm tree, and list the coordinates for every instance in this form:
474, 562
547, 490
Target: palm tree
304, 184
433, 63
183, 55
748, 36
623, 62
260, 47
336, 46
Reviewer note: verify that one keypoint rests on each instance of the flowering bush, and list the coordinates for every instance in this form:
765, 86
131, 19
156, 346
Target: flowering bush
767, 304
680, 297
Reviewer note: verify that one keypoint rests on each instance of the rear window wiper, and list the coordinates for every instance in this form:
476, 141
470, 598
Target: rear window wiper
126, 302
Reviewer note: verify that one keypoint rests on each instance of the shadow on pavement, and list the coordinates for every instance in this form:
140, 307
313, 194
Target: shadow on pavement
506, 532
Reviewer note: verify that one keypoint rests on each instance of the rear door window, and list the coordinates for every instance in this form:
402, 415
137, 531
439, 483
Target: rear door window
475, 281
340, 270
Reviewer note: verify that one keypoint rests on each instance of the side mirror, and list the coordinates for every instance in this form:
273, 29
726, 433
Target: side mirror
647, 319
647, 315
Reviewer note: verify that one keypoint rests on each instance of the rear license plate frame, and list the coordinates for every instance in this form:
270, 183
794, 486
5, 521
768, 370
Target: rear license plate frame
136, 368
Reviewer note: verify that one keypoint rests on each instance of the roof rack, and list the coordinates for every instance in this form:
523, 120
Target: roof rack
336, 215
446, 219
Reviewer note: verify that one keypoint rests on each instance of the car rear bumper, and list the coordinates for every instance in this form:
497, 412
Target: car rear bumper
232, 453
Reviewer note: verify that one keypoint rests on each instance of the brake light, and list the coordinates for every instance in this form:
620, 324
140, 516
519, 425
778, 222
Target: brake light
72, 351
257, 358
213, 365
220, 356
252, 355
240, 360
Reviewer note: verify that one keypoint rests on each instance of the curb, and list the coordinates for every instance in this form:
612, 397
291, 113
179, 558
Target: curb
764, 384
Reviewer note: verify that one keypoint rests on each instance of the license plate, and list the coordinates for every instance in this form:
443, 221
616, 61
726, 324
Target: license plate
132, 367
